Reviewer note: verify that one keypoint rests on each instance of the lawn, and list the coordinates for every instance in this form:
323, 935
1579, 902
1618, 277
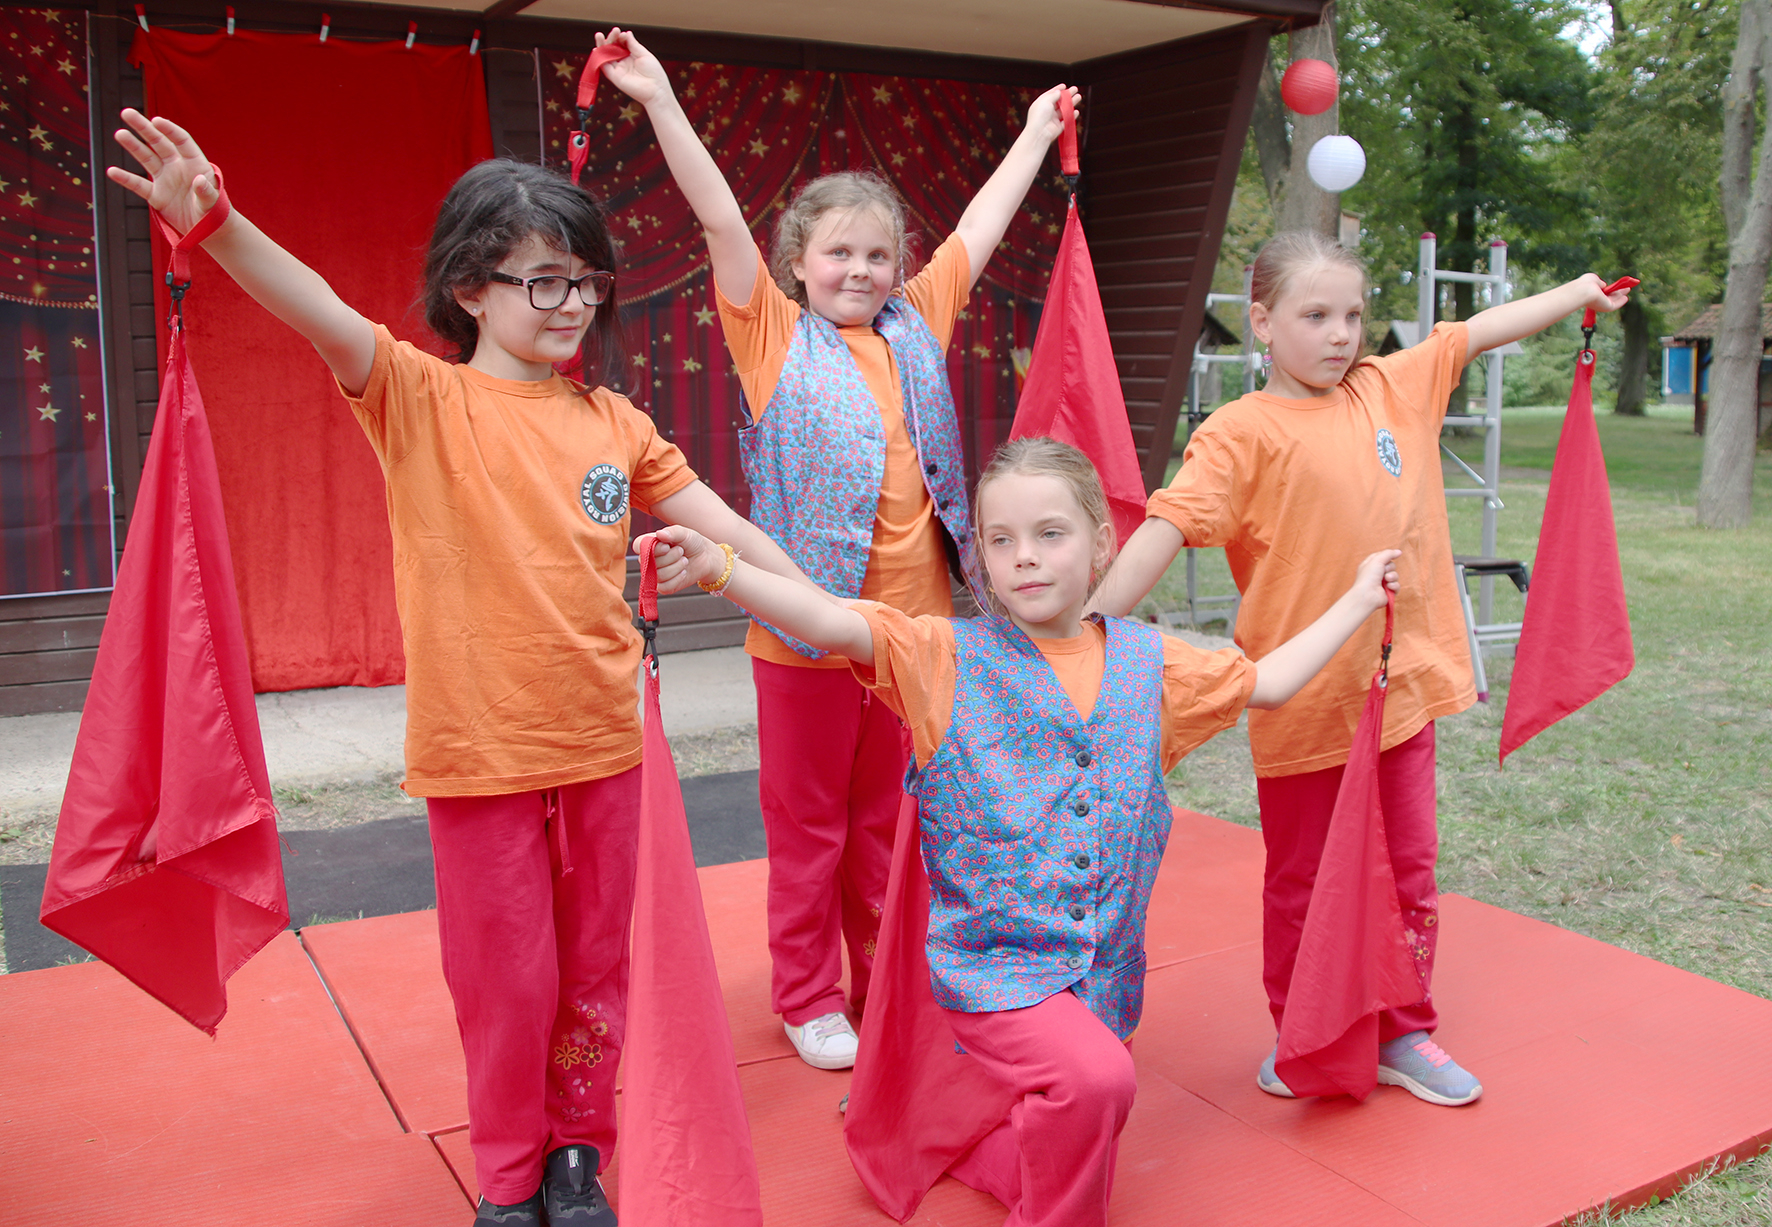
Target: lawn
1644, 820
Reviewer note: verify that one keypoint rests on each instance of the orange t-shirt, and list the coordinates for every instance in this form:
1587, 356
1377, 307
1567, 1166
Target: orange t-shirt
509, 504
1298, 492
914, 673
907, 565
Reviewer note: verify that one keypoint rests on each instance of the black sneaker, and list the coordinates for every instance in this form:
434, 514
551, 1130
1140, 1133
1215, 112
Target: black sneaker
570, 1190
523, 1214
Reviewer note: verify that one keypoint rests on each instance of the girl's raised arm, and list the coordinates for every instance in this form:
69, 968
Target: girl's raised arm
986, 219
181, 188
731, 250
1521, 318
810, 614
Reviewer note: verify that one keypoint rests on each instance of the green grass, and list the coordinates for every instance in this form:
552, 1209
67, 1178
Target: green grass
1645, 819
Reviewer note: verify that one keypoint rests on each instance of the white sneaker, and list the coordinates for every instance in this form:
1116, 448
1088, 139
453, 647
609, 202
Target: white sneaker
824, 1043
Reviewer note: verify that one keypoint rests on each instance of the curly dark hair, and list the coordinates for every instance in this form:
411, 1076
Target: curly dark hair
489, 212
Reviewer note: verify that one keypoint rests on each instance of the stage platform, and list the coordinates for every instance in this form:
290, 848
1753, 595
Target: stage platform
303, 1113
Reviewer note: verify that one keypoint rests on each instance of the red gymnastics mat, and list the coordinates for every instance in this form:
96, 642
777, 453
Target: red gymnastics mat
302, 1113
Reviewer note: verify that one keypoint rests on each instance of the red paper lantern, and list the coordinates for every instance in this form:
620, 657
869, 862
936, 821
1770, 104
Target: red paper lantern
1309, 87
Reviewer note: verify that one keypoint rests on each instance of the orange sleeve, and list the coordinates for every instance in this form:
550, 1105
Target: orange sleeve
1206, 500
757, 336
399, 402
913, 672
940, 291
1204, 693
1422, 377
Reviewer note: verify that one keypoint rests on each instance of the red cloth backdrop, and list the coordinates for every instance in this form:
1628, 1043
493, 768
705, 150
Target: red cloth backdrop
771, 130
55, 480
341, 152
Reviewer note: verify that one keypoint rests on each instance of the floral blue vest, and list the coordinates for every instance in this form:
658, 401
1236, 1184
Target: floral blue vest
1042, 832
816, 460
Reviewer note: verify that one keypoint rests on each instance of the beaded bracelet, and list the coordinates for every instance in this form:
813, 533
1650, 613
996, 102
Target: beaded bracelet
715, 587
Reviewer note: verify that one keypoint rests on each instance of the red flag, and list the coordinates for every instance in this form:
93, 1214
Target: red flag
166, 863
916, 1105
1353, 957
1575, 640
686, 1158
1072, 391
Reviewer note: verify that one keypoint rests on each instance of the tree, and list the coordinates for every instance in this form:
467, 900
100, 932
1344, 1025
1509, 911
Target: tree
1725, 484
1297, 202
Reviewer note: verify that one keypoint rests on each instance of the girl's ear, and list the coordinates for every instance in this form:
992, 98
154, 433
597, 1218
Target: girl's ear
475, 303
798, 268
1259, 319
1103, 557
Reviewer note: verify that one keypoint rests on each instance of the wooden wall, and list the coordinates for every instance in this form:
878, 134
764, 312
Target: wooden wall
1164, 133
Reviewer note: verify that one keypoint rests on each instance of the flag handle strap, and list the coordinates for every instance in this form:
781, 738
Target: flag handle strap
1068, 163
1590, 318
578, 148
1390, 626
648, 600
178, 271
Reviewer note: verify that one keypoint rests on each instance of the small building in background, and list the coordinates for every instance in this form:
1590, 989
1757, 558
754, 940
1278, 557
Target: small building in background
1686, 358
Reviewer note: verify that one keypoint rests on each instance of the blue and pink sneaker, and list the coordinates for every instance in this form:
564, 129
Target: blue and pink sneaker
1427, 1071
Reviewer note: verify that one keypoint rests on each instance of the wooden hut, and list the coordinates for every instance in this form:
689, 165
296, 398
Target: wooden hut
1698, 338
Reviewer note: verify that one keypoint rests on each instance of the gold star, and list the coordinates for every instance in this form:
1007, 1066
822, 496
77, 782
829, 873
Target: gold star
33, 354
759, 146
39, 133
630, 112
552, 105
47, 413
639, 359
92, 417
66, 572
79, 342
66, 65
791, 94
720, 81
882, 94
666, 338
36, 50
909, 121
704, 316
563, 69
42, 387
691, 365
898, 159
27, 199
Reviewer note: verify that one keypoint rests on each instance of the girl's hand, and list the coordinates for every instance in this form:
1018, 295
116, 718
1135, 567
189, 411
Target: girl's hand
1044, 121
1377, 578
181, 183
1597, 298
684, 557
640, 76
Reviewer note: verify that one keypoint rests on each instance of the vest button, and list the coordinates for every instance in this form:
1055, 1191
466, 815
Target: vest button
941, 504
932, 468
1082, 809
1077, 912
1073, 962
1083, 759
1081, 861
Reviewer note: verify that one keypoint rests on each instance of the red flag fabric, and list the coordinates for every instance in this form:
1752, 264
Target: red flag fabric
166, 861
916, 1105
1575, 639
1353, 957
1072, 391
686, 1157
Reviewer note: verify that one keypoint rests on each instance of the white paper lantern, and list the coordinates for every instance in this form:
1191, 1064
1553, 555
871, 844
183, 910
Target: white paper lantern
1336, 163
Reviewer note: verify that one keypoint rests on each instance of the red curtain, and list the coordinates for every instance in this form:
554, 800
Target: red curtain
55, 482
341, 152
771, 130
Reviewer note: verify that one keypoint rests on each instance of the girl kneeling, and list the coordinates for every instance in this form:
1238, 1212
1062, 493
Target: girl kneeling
1041, 741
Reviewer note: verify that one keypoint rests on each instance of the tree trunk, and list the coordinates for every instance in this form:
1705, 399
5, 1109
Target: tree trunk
1303, 205
1725, 484
1273, 148
1633, 375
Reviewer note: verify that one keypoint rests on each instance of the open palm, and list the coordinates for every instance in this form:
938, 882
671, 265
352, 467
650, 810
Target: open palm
640, 76
181, 183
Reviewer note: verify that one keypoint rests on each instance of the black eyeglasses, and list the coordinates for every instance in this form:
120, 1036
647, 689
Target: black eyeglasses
549, 293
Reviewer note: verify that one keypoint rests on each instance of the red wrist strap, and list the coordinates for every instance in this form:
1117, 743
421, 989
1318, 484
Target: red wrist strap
1067, 138
1390, 626
579, 147
178, 275
1591, 317
645, 547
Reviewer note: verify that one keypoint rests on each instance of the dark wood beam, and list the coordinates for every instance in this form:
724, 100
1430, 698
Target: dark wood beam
505, 8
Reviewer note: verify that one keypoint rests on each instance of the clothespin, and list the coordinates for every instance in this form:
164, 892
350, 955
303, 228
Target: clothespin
325, 25
230, 21
411, 33
141, 16
474, 46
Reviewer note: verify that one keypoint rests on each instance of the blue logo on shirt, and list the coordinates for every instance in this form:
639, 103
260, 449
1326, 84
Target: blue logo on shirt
604, 493
1388, 455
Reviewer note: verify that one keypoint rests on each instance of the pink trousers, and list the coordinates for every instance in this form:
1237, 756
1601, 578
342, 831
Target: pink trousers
1052, 1161
1295, 811
832, 763
535, 892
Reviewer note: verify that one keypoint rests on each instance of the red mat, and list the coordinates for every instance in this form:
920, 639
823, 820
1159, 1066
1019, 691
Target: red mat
1594, 1088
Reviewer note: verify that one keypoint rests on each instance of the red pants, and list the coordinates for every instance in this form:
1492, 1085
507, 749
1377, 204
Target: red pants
535, 892
1052, 1161
832, 772
1295, 812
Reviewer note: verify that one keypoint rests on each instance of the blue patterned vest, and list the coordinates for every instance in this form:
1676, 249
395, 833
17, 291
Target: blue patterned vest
1042, 832
816, 460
